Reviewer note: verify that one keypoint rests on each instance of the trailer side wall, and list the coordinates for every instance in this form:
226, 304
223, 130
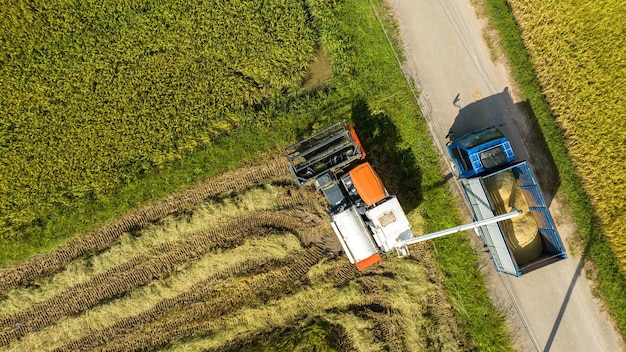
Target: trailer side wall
523, 244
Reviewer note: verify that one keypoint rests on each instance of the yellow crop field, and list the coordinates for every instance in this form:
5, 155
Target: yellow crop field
95, 93
578, 50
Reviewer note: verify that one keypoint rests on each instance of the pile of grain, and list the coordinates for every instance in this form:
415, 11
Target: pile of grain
521, 232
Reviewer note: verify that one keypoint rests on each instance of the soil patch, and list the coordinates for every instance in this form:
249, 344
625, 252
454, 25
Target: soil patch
318, 72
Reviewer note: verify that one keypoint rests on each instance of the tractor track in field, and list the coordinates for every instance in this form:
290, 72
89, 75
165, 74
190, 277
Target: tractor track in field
379, 309
438, 306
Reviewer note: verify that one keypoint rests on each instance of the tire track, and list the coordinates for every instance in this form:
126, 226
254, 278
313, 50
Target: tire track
379, 309
338, 332
442, 310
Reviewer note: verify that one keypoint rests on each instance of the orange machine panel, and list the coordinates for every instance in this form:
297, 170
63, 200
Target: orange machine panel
357, 141
369, 261
368, 184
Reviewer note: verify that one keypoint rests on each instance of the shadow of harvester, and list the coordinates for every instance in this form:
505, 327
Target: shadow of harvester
396, 165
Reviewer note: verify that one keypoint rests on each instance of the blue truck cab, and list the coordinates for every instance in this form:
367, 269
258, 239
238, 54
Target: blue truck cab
478, 152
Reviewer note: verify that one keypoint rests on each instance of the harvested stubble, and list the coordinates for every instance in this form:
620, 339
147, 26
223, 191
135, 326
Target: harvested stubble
367, 298
147, 241
85, 296
259, 249
196, 293
102, 238
200, 316
335, 332
379, 309
358, 331
243, 340
318, 299
438, 303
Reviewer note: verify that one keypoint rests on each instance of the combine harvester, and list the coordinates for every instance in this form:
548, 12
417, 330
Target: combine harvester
367, 220
494, 183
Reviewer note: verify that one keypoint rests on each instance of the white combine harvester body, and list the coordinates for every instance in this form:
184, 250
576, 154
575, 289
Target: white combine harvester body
386, 231
389, 224
354, 236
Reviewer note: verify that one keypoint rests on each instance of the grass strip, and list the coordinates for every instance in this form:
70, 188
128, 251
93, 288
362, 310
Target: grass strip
610, 283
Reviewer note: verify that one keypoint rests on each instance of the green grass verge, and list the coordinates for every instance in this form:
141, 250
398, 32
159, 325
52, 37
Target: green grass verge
610, 283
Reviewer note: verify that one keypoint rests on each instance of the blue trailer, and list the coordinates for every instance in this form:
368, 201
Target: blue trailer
494, 183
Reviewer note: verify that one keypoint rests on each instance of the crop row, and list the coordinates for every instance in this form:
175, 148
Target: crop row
102, 238
80, 298
200, 316
197, 292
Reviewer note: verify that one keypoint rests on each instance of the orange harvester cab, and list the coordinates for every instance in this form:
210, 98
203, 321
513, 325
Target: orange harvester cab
368, 184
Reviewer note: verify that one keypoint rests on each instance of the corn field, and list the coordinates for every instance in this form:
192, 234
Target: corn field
577, 50
221, 266
95, 93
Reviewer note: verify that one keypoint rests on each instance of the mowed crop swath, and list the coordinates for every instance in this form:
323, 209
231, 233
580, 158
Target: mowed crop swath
93, 94
577, 50
222, 265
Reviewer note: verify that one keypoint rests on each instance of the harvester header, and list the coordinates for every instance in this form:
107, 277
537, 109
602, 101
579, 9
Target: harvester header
329, 150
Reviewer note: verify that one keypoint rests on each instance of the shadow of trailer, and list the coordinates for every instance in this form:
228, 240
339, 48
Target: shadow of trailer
519, 245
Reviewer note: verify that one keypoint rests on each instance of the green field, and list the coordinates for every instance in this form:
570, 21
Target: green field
94, 95
118, 107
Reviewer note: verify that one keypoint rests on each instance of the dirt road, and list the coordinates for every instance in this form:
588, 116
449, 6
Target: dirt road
461, 88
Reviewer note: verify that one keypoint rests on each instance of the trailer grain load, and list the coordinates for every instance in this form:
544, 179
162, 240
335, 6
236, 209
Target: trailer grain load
521, 232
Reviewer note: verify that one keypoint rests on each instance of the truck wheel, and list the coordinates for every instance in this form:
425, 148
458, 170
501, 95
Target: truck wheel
454, 168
